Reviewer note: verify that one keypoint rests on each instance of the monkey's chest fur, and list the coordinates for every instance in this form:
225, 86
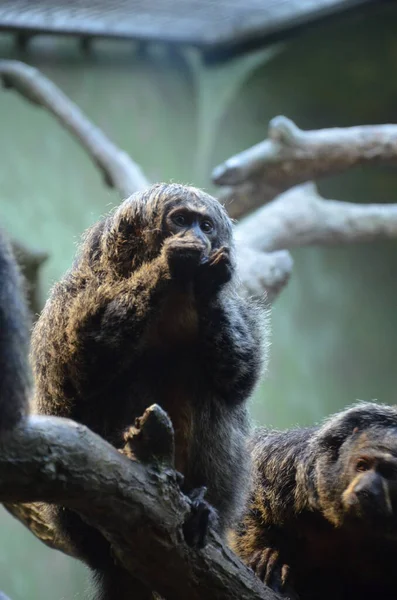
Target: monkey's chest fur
172, 356
339, 564
170, 369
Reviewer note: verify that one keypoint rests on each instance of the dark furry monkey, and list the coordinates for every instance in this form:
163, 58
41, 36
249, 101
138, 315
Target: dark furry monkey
150, 312
322, 518
14, 345
14, 341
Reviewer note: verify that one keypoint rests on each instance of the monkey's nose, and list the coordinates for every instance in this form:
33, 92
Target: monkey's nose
373, 494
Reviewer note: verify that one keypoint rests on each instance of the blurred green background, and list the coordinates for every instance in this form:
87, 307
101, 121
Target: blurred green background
333, 327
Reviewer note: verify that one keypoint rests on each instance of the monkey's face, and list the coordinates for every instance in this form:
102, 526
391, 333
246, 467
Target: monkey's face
365, 479
372, 490
142, 223
193, 222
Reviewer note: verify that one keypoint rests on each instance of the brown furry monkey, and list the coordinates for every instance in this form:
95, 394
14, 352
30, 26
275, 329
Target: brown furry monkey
150, 312
322, 516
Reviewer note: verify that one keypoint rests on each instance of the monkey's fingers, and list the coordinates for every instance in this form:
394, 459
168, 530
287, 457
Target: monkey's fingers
259, 562
220, 255
182, 256
254, 560
285, 574
271, 565
268, 567
214, 273
202, 518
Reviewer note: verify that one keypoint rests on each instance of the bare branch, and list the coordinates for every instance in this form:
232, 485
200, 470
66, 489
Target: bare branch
262, 273
138, 507
118, 168
301, 217
243, 199
292, 156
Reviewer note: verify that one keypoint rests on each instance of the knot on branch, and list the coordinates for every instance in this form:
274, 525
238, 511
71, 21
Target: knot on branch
283, 130
151, 438
229, 170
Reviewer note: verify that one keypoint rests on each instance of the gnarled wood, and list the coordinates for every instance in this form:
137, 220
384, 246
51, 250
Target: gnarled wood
138, 507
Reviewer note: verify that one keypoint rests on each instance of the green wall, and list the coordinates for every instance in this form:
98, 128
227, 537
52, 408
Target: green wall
333, 327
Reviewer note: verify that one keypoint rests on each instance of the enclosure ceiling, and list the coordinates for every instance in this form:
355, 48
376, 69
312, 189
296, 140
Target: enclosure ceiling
210, 24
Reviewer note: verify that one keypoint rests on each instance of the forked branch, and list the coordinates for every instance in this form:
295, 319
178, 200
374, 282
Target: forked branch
138, 506
291, 155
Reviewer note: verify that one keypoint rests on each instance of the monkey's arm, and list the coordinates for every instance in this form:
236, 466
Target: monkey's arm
94, 330
267, 538
231, 346
230, 329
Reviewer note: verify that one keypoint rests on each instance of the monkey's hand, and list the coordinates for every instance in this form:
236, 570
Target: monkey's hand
183, 256
269, 567
202, 518
214, 272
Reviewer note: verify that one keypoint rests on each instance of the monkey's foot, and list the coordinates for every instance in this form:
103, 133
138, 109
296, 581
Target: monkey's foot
269, 567
202, 518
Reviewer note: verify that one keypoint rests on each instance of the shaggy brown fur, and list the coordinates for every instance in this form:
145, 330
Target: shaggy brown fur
150, 312
322, 516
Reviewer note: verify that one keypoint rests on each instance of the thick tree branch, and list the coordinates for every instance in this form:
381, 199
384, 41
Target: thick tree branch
301, 217
118, 168
241, 200
291, 155
138, 507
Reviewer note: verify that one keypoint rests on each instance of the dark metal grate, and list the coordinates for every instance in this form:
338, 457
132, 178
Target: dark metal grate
206, 23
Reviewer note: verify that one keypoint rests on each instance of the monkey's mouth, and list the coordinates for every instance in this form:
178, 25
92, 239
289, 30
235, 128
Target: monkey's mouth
370, 508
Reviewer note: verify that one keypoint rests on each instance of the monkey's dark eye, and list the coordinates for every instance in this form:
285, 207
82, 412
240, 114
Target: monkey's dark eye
179, 220
362, 465
206, 226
